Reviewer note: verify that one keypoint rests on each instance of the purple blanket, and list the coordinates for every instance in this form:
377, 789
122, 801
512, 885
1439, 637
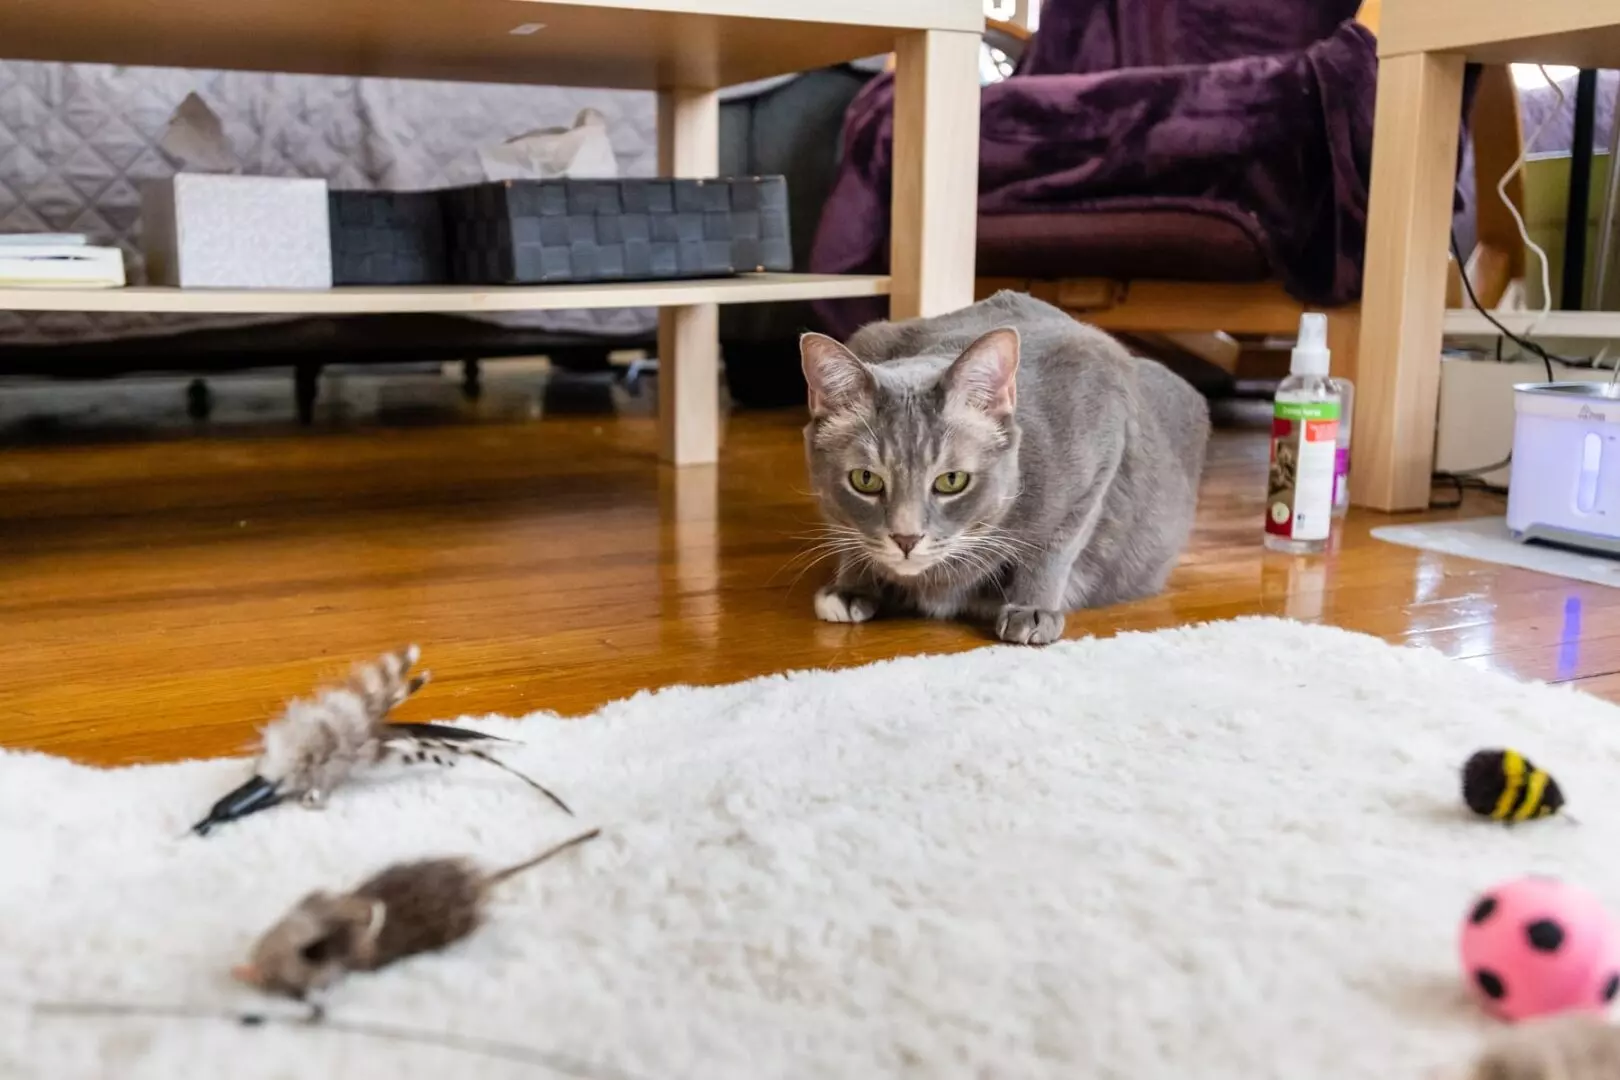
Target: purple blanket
1256, 110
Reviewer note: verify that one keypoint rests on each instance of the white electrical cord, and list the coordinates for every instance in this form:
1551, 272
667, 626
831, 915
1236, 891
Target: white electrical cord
1518, 218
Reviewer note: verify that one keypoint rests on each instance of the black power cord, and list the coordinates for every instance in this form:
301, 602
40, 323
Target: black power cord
1523, 342
1469, 480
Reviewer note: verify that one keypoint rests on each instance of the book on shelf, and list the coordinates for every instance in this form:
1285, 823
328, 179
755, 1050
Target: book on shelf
58, 260
55, 239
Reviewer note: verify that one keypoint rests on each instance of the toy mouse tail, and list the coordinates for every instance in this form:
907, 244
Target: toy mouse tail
512, 871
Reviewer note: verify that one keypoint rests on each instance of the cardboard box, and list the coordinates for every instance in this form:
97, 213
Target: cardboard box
206, 230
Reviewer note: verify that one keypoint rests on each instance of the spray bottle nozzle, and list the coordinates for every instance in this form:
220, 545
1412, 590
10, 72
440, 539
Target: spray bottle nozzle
1311, 351
1313, 330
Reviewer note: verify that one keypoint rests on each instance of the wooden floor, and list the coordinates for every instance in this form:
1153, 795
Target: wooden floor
164, 587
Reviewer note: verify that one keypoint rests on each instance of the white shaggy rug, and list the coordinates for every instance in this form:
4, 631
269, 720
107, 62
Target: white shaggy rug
1234, 851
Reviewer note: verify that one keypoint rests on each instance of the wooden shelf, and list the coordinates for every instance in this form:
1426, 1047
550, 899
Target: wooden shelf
449, 299
1558, 324
628, 44
1583, 33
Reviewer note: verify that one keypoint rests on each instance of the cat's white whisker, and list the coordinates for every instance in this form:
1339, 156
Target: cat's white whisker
986, 531
836, 543
843, 546
985, 555
817, 541
983, 565
818, 549
831, 530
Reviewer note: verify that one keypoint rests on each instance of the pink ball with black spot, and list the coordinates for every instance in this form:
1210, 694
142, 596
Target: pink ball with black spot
1537, 946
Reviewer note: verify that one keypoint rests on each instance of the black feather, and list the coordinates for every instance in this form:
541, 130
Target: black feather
441, 731
254, 795
531, 781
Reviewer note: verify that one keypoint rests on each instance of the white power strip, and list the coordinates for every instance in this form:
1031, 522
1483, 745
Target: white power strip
1476, 410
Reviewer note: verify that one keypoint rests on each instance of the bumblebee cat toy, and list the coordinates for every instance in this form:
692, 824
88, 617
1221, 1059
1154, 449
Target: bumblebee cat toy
1506, 786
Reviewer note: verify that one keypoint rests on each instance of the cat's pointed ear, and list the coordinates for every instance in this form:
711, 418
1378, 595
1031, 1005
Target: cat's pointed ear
984, 377
836, 376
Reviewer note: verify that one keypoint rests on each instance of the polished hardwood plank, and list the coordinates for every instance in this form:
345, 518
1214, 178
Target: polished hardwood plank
165, 587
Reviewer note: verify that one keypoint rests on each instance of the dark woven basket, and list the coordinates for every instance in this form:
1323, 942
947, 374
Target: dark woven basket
388, 238
527, 232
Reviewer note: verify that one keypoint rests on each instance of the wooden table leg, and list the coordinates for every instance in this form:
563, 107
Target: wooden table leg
1403, 296
936, 172
1344, 341
689, 337
689, 551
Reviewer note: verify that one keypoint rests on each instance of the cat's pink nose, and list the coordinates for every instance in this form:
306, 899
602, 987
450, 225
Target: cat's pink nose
905, 541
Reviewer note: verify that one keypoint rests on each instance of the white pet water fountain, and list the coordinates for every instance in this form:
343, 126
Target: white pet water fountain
1564, 485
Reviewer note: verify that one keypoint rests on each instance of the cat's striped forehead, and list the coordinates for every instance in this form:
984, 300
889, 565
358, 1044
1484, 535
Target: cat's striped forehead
905, 422
910, 429
908, 417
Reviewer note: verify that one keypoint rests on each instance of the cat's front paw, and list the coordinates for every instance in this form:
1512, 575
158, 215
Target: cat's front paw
834, 605
1022, 625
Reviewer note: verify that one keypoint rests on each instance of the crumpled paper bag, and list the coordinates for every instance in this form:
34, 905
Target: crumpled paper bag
580, 152
196, 138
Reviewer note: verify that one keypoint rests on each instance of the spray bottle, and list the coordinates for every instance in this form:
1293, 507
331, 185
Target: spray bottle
1341, 466
1304, 447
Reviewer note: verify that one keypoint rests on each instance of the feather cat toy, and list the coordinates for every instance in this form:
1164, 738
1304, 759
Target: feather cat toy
318, 743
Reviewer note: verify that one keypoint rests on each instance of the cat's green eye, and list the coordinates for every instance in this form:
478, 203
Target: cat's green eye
952, 483
865, 481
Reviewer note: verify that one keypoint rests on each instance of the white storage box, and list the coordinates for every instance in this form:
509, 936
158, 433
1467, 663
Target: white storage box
202, 230
1566, 465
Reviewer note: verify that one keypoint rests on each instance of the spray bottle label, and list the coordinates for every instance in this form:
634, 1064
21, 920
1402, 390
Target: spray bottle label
1304, 449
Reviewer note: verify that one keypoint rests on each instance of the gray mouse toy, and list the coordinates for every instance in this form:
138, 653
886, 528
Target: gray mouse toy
406, 909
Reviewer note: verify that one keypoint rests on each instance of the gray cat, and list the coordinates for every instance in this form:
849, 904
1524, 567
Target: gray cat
1002, 462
